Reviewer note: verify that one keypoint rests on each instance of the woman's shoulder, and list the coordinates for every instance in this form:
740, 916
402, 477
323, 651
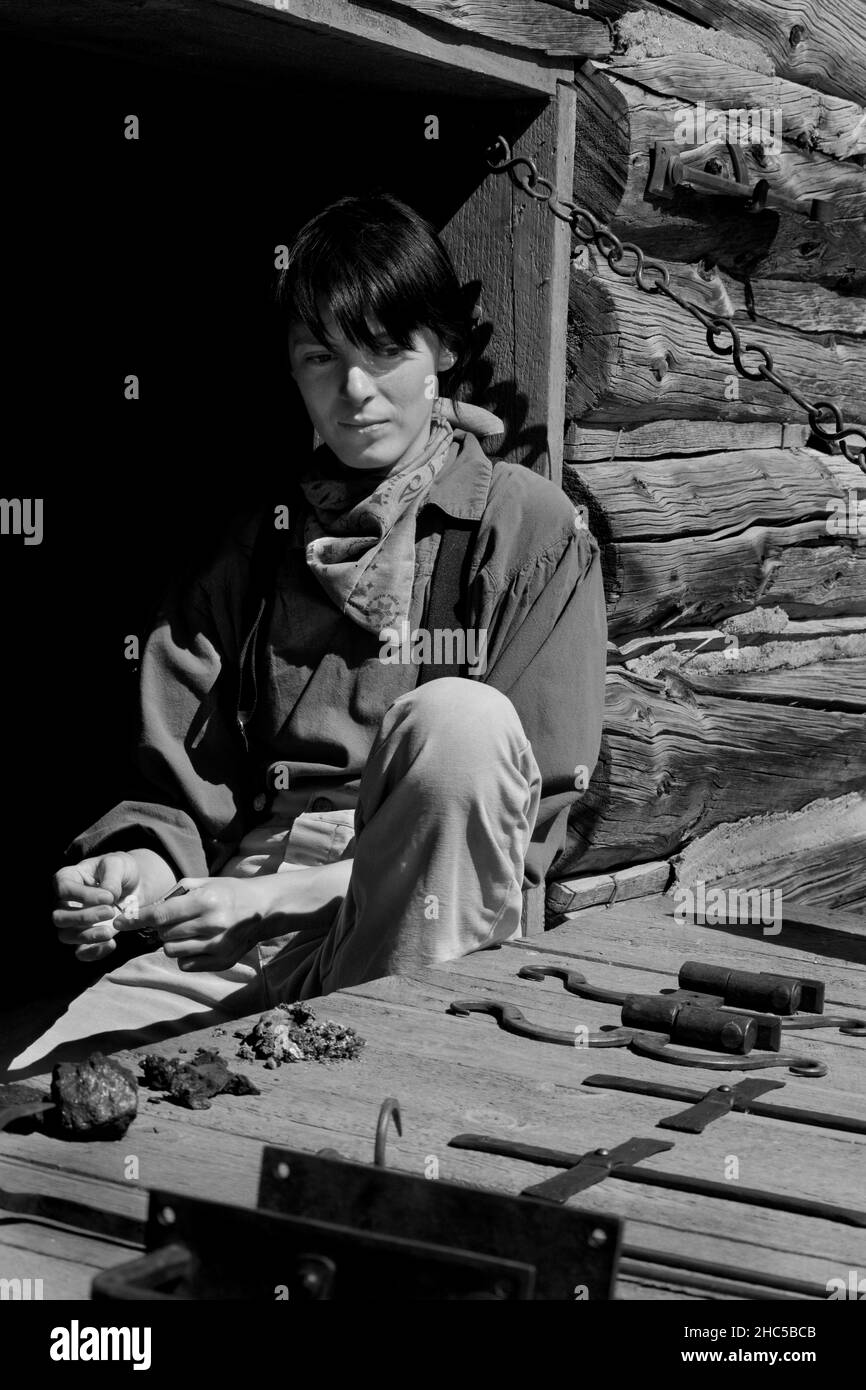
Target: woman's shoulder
528, 510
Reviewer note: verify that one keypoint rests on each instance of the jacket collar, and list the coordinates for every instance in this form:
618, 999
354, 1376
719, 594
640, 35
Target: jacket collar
460, 489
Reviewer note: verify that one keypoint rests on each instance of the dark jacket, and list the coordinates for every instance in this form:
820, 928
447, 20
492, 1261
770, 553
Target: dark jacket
534, 584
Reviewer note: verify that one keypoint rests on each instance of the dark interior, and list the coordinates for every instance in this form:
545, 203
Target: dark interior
156, 257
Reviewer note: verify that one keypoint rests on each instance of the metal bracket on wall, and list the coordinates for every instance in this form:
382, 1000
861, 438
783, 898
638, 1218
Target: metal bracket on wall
698, 167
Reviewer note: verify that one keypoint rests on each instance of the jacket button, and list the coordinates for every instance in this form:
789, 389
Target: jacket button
260, 802
321, 803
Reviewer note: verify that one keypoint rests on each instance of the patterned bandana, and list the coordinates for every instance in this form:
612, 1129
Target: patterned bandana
360, 537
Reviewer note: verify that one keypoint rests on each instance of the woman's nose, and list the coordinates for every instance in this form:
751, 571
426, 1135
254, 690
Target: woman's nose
356, 384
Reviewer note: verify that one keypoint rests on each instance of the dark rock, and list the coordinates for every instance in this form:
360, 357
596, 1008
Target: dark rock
195, 1083
96, 1099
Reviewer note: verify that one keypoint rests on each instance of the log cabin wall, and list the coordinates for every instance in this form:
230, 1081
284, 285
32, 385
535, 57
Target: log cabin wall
735, 745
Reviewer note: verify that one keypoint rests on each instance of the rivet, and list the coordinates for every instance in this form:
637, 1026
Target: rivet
167, 1216
597, 1237
283, 1170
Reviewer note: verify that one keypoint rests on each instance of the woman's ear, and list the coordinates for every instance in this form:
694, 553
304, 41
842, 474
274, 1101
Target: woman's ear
445, 359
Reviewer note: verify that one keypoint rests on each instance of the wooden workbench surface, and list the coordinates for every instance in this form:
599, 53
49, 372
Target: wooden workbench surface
455, 1074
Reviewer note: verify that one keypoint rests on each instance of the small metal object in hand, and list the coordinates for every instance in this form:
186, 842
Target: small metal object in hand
151, 934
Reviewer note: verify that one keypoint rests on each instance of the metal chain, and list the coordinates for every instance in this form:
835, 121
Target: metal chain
588, 228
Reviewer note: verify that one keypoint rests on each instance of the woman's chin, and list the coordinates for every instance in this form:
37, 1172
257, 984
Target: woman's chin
375, 453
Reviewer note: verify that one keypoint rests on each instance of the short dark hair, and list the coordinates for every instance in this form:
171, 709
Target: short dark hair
373, 256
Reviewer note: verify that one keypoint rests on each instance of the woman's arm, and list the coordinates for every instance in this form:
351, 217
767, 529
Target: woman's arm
191, 806
218, 920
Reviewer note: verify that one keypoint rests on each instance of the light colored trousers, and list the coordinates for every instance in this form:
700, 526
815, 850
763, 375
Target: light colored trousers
445, 811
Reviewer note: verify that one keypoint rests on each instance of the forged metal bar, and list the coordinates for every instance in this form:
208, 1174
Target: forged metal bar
759, 989
594, 1167
675, 1182
646, 1045
512, 1020
776, 993
850, 1124
712, 1277
126, 1230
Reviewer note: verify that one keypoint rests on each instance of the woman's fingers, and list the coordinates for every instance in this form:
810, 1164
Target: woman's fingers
86, 936
95, 952
110, 873
76, 920
159, 916
70, 891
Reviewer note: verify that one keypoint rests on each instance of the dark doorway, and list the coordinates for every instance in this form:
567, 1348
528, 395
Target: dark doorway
155, 257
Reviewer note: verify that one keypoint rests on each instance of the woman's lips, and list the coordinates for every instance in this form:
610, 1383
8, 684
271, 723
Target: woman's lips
367, 428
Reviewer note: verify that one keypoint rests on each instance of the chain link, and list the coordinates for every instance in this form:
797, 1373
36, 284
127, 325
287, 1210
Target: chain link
587, 228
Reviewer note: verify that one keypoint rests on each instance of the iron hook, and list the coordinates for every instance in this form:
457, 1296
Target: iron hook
388, 1110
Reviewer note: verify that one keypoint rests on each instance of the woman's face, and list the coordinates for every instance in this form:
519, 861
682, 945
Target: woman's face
372, 408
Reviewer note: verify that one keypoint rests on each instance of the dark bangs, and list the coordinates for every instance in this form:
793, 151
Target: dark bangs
375, 258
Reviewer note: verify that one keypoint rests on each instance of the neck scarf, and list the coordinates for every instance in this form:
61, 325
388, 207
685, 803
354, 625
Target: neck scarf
360, 536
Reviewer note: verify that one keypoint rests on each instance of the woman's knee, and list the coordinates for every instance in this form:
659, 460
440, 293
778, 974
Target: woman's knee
453, 729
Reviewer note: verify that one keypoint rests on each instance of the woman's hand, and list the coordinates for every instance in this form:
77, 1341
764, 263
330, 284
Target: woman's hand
86, 895
209, 927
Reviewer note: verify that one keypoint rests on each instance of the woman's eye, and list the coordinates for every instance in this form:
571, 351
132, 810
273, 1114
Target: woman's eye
318, 358
391, 350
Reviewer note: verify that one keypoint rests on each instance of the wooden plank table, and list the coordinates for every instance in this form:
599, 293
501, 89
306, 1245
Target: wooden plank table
455, 1074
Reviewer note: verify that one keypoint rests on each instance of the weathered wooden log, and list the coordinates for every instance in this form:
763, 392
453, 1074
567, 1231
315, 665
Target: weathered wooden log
791, 304
827, 672
815, 858
639, 881
794, 171
611, 173
518, 23
675, 58
676, 762
280, 38
758, 627
818, 43
684, 581
811, 121
635, 357
718, 492
598, 443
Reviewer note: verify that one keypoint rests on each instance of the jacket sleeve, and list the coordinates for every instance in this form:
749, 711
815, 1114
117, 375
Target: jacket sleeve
547, 650
190, 753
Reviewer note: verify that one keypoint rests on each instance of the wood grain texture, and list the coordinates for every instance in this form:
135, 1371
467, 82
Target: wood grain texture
678, 582
716, 493
636, 357
342, 40
816, 43
662, 438
502, 239
639, 881
813, 858
794, 171
810, 119
618, 124
455, 1074
525, 24
677, 761
756, 628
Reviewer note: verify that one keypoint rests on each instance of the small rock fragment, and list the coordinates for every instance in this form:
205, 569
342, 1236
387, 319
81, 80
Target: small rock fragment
290, 1033
194, 1083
